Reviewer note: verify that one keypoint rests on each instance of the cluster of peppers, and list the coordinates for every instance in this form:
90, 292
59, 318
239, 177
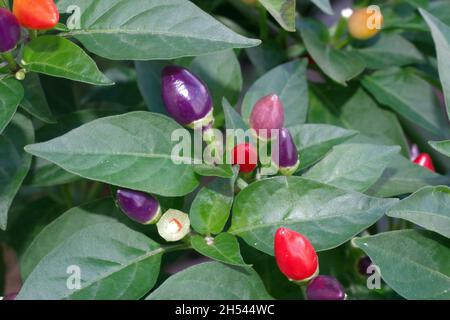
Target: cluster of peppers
188, 101
34, 15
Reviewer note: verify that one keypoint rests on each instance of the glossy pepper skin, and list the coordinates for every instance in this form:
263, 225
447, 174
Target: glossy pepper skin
186, 97
325, 288
9, 30
424, 160
287, 161
138, 206
362, 23
268, 114
295, 255
36, 14
245, 156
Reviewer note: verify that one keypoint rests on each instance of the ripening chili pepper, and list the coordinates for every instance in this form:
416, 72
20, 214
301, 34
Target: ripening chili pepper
9, 30
363, 265
287, 159
295, 255
267, 114
138, 206
174, 225
36, 14
365, 23
325, 288
245, 156
424, 160
186, 97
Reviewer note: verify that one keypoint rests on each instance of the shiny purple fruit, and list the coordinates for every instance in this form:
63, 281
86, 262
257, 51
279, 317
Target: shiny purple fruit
325, 288
186, 97
138, 206
267, 114
288, 161
9, 30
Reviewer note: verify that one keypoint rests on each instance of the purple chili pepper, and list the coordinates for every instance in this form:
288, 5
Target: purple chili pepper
363, 264
186, 97
267, 114
9, 30
325, 288
138, 206
287, 161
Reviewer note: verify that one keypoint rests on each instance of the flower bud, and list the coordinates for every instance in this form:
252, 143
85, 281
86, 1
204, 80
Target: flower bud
365, 23
424, 160
36, 14
267, 114
186, 97
325, 288
295, 255
287, 159
245, 156
138, 206
9, 30
174, 225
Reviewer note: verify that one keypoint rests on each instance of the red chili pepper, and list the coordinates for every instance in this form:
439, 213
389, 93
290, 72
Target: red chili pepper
424, 160
245, 156
36, 14
295, 255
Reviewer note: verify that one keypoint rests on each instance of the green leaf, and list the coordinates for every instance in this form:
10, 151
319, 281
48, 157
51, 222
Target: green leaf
46, 174
412, 263
441, 146
441, 37
407, 94
61, 229
14, 161
391, 50
313, 141
133, 151
353, 166
212, 281
35, 102
11, 93
289, 82
58, 57
233, 119
339, 65
223, 248
212, 205
328, 216
361, 113
221, 72
219, 170
429, 208
114, 262
324, 5
403, 177
149, 82
148, 30
283, 11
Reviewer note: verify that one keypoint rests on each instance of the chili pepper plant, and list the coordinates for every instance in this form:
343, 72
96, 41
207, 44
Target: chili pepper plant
224, 149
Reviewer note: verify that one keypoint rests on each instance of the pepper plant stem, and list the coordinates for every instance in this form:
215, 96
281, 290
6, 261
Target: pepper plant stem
33, 34
4, 4
8, 57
